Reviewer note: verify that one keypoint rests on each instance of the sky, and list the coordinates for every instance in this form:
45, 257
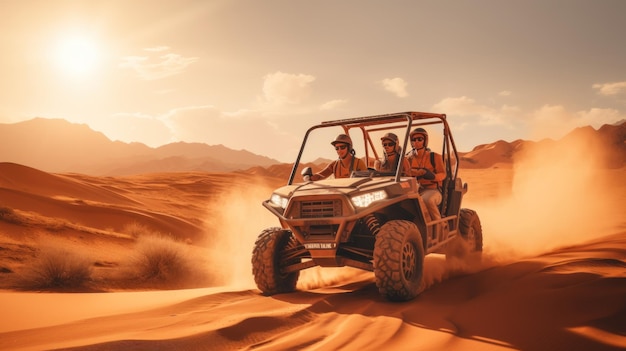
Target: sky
255, 75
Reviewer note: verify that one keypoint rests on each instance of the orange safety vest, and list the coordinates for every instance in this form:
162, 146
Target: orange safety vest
431, 166
337, 168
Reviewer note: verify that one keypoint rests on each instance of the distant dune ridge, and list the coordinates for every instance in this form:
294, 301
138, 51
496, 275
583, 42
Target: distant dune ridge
77, 148
607, 146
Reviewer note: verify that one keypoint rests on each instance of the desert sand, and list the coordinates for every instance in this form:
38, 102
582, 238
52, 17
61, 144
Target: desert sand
552, 277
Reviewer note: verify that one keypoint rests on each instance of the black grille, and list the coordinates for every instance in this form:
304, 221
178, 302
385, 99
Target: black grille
322, 230
320, 209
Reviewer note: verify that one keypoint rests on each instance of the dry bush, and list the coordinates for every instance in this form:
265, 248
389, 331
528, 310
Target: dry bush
136, 230
53, 224
56, 268
5, 212
8, 215
162, 262
34, 219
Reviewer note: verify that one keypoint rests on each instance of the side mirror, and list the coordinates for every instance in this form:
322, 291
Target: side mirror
307, 172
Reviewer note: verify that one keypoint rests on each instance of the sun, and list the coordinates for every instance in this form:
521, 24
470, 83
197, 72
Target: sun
76, 55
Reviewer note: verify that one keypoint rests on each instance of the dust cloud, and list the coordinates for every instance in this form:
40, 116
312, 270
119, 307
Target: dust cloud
560, 196
319, 277
237, 217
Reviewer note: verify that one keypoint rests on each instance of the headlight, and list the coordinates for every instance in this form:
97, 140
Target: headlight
365, 200
279, 201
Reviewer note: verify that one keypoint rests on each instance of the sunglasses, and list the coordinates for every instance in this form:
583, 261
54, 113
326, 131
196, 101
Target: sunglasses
417, 139
340, 147
388, 144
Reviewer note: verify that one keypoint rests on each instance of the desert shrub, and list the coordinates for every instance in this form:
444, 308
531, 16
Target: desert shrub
7, 214
136, 230
31, 219
57, 268
162, 261
5, 211
55, 224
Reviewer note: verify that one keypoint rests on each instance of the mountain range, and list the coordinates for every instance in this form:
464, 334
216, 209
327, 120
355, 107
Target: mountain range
59, 146
56, 145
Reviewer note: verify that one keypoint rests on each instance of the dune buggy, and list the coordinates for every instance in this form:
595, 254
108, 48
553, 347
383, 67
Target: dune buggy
373, 221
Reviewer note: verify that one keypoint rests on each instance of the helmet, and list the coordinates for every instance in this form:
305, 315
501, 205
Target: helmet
390, 136
420, 131
342, 138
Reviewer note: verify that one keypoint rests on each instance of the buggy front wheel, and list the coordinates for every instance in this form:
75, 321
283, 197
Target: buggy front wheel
399, 260
268, 258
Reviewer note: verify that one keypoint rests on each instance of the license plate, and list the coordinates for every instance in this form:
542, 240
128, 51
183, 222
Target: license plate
319, 246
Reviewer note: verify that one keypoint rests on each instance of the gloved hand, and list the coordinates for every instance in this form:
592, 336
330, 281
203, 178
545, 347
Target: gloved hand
428, 175
307, 173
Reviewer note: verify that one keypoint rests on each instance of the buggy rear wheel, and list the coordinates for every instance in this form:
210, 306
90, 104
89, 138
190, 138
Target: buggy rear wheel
268, 258
470, 242
399, 260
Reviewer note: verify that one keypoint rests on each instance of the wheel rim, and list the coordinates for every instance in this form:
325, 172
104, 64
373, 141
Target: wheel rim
408, 261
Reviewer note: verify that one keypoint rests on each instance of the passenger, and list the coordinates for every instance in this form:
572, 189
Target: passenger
344, 165
429, 170
392, 154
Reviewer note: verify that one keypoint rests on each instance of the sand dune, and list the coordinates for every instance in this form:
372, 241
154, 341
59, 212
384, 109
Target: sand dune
553, 274
570, 299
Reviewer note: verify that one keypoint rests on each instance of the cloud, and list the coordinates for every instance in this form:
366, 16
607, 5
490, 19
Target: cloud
153, 68
266, 128
549, 121
280, 89
597, 117
610, 88
461, 106
397, 86
134, 127
554, 121
194, 123
157, 48
505, 93
465, 106
333, 104
202, 124
244, 129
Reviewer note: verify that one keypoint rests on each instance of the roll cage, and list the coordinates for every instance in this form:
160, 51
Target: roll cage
380, 123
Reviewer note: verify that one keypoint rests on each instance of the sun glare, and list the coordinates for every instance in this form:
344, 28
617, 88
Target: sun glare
76, 55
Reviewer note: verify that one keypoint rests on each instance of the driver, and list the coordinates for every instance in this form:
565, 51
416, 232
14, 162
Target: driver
344, 165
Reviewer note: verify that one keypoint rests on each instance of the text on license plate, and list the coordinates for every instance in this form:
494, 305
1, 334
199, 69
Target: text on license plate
313, 246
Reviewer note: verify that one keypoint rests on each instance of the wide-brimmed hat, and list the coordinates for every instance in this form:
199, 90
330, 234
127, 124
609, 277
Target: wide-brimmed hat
342, 138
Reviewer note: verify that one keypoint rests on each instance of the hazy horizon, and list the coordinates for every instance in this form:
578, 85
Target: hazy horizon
255, 76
